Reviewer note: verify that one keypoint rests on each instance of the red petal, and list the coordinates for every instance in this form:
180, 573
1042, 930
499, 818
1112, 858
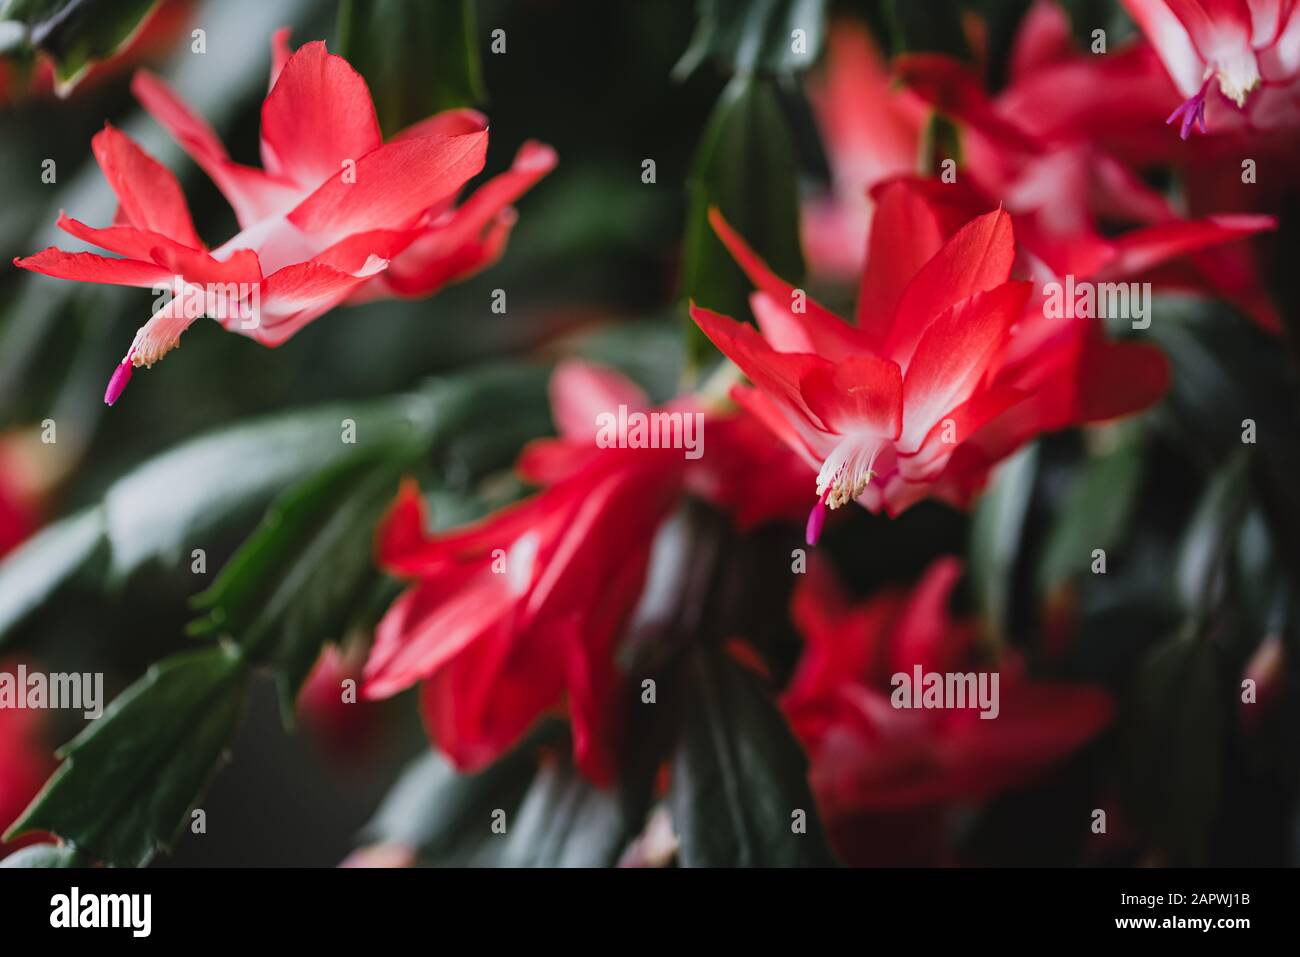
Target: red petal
953, 355
581, 391
148, 195
253, 194
318, 115
975, 260
777, 373
905, 235
393, 185
89, 267
862, 392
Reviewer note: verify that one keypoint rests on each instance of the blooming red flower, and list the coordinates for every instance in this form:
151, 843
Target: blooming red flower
1237, 62
334, 214
944, 372
873, 761
513, 614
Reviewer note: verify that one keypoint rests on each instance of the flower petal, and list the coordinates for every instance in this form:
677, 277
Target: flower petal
953, 355
318, 115
147, 193
392, 185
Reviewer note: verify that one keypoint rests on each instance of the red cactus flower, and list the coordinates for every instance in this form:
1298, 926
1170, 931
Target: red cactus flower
938, 379
334, 214
1059, 147
515, 614
1237, 62
873, 761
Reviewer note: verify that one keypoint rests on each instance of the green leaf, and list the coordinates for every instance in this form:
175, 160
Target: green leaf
1173, 728
33, 572
127, 782
565, 821
45, 856
418, 58
745, 166
747, 36
1094, 513
76, 33
176, 501
936, 27
739, 775
1209, 542
445, 816
291, 586
996, 533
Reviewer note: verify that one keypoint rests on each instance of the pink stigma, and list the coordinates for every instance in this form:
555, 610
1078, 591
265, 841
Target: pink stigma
116, 385
817, 519
1192, 112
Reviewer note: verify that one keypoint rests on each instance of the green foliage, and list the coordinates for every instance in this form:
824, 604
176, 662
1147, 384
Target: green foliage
76, 33
418, 58
127, 783
745, 166
749, 36
996, 536
739, 775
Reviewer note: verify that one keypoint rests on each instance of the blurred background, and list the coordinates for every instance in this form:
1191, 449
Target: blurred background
1198, 531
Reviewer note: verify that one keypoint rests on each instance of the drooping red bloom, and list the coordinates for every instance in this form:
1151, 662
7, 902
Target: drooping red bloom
329, 707
335, 214
514, 615
944, 373
1236, 62
875, 763
1059, 148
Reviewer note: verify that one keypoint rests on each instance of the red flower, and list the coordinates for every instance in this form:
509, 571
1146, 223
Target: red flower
873, 761
1237, 59
1058, 148
939, 378
525, 608
335, 214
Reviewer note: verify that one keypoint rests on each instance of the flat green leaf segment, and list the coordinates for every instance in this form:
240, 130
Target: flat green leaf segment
745, 166
303, 577
291, 586
740, 780
128, 781
778, 36
75, 33
550, 816
418, 58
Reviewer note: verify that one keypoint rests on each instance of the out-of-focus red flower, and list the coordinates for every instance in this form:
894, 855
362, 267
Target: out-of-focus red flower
25, 761
878, 769
334, 214
1058, 149
521, 611
871, 128
1236, 62
332, 710
944, 373
18, 512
